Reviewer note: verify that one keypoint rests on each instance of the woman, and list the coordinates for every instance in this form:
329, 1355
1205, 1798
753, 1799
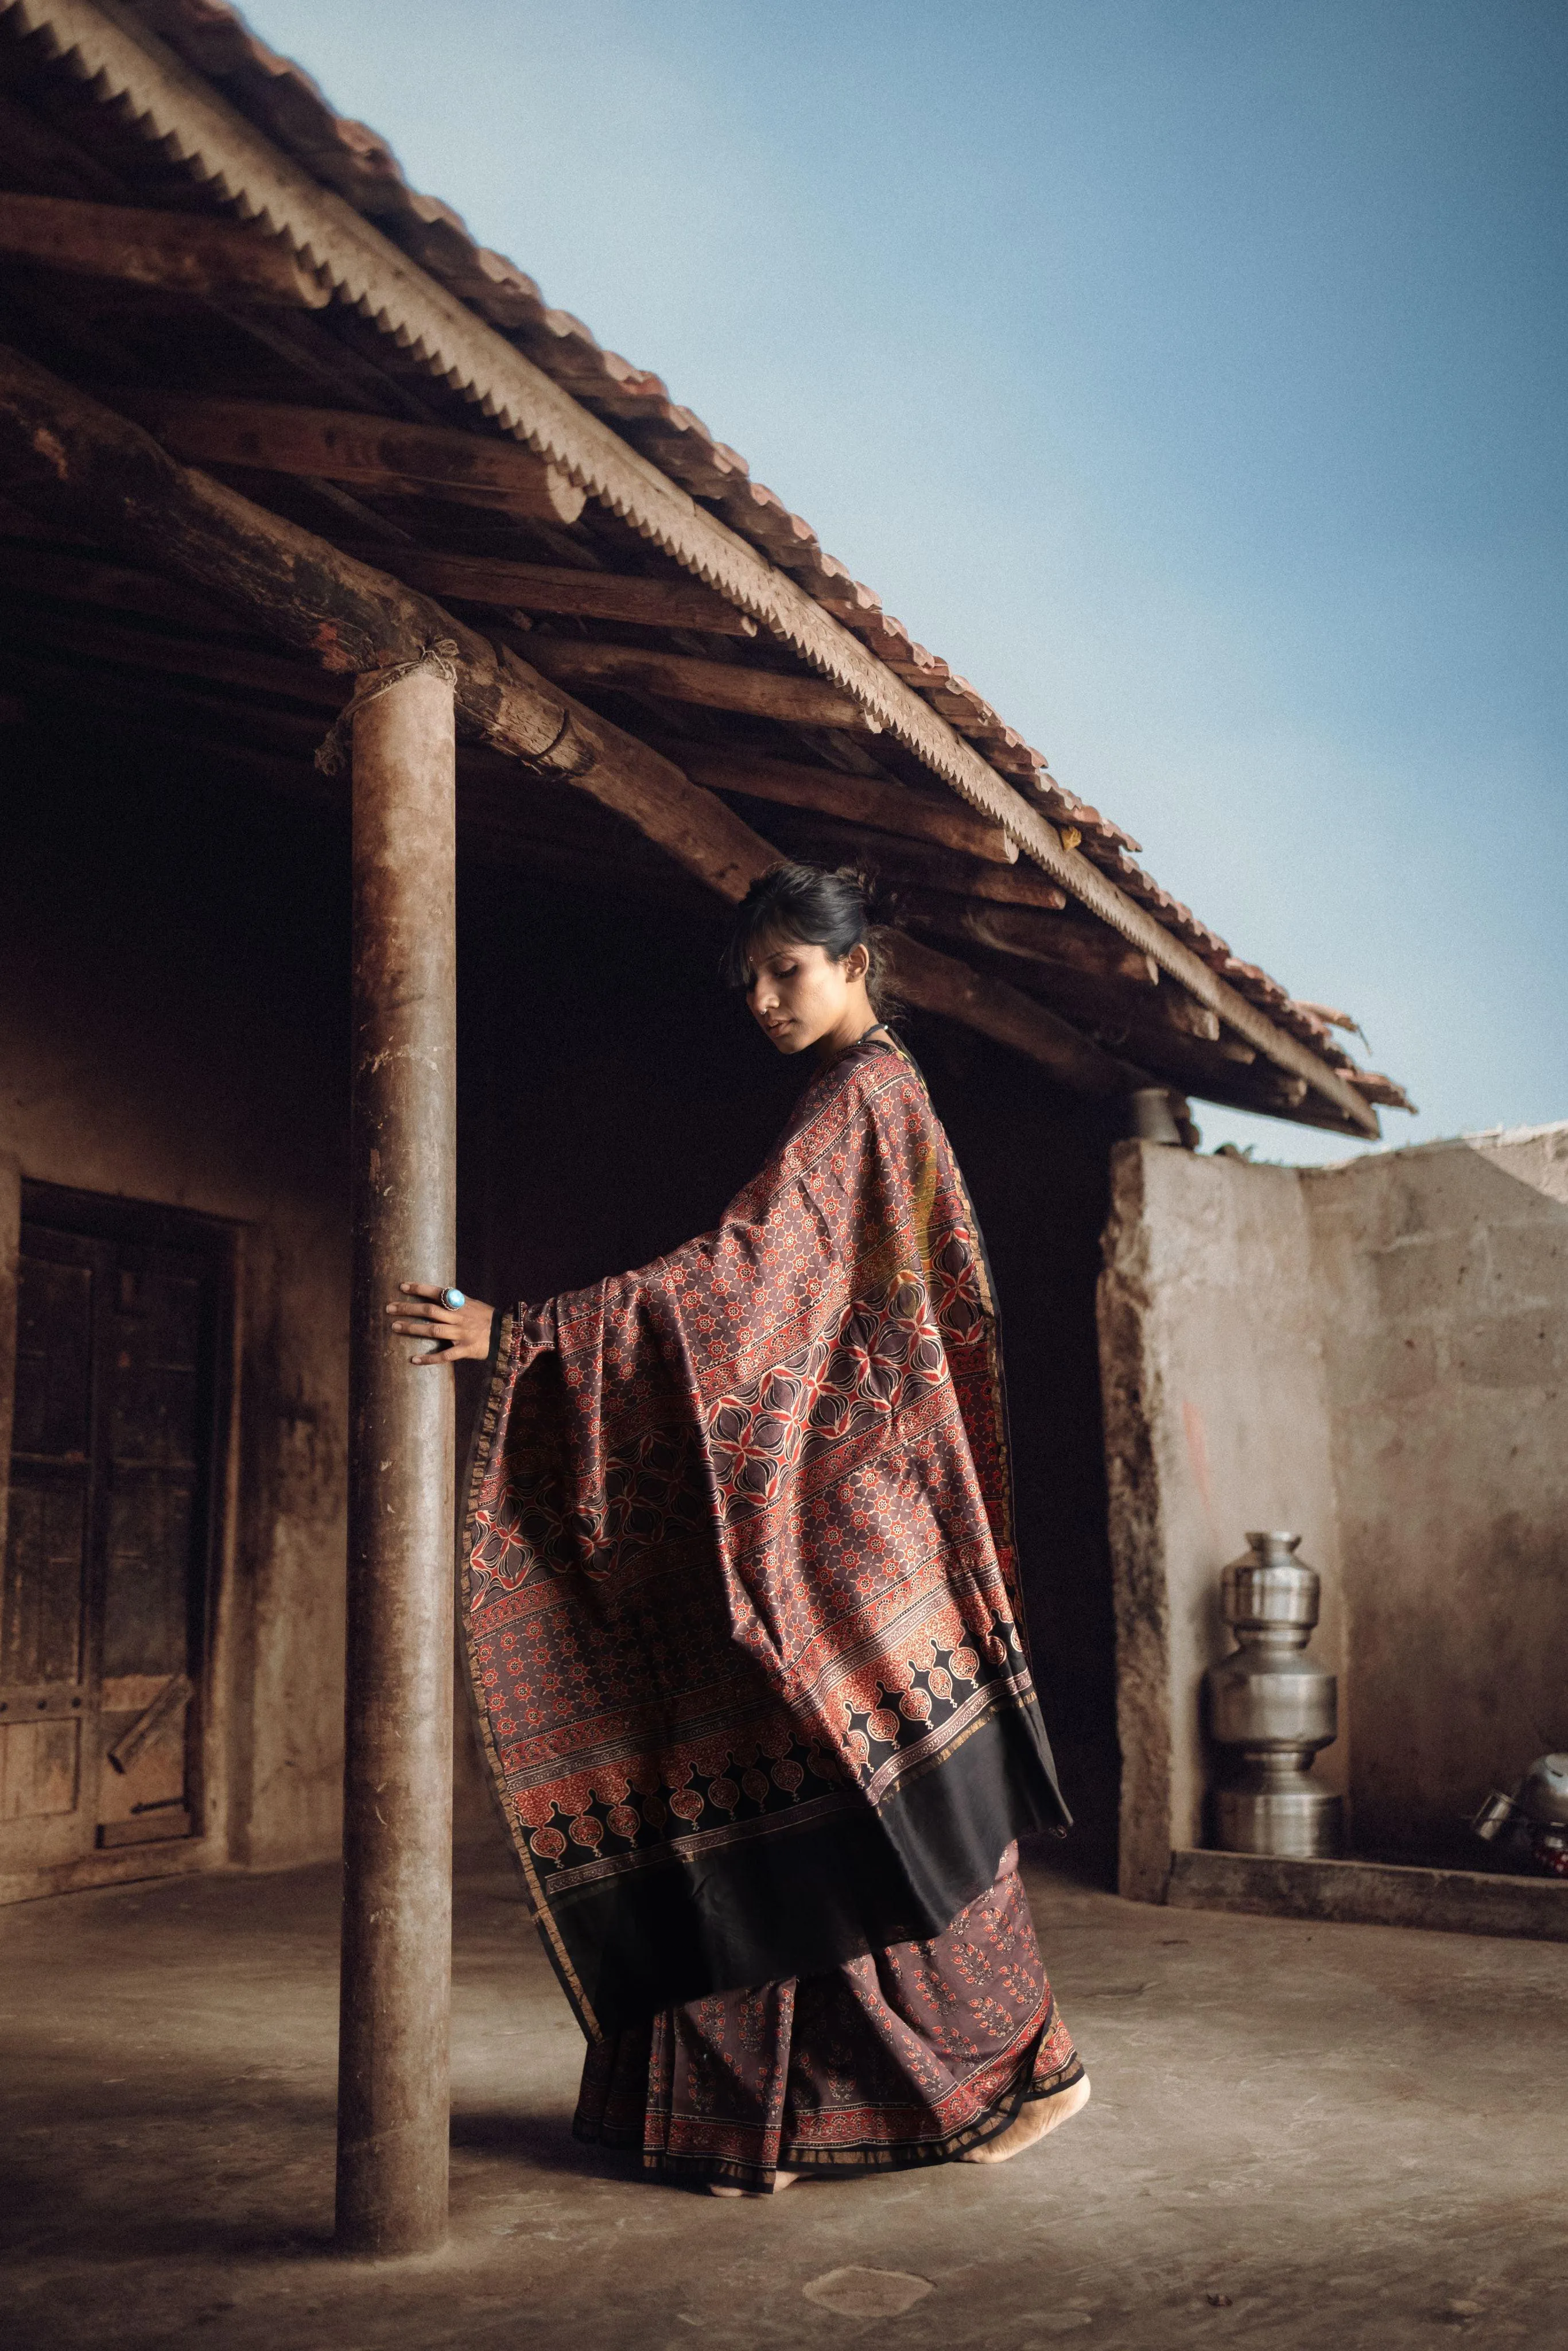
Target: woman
747, 1638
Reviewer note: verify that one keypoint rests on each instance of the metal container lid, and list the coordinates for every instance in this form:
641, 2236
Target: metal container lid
1268, 1586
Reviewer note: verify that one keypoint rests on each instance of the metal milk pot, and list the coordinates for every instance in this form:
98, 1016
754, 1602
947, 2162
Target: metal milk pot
1269, 1708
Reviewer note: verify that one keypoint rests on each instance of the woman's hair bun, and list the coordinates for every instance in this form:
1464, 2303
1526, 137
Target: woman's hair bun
836, 910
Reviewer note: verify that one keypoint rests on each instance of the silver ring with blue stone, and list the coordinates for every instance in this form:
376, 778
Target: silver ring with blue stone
454, 1299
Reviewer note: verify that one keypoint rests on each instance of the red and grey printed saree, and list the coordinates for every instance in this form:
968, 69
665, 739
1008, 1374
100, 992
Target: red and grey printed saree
906, 2057
738, 1584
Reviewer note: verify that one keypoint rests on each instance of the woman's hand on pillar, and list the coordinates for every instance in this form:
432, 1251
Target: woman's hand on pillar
453, 1335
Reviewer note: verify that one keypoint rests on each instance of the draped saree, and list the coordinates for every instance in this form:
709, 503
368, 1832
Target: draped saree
740, 1597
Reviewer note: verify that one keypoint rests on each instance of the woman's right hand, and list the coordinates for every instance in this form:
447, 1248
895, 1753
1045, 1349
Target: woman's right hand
453, 1334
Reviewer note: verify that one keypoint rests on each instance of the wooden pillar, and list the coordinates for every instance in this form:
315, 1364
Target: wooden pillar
392, 2066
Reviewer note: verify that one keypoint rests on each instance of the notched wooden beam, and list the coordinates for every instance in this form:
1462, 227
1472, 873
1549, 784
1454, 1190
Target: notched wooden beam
172, 253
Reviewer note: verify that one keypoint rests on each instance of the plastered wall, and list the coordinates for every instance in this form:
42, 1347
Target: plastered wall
1373, 1356
1442, 1276
173, 1010
1217, 1422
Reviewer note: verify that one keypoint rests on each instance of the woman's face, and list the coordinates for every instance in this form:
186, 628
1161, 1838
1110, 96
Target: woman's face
798, 996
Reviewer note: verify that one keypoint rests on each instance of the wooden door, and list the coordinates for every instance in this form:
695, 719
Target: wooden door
103, 1604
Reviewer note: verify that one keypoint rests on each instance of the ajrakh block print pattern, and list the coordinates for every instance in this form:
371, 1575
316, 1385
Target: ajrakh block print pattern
740, 1549
904, 2058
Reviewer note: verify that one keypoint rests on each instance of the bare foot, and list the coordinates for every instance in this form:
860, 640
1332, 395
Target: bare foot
1041, 2116
781, 2181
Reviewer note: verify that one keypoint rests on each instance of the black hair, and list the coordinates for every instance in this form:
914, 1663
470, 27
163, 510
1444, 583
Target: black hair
814, 908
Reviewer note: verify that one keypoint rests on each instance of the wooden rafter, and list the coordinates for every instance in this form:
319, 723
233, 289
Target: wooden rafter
1033, 935
939, 983
174, 253
378, 454
901, 861
854, 800
554, 588
686, 677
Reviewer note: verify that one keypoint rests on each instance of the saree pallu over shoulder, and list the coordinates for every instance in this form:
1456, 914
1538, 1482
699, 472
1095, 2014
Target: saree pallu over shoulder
740, 1592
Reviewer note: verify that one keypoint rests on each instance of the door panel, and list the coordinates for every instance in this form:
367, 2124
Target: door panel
40, 1770
54, 1348
102, 1601
42, 1606
47, 1696
146, 1600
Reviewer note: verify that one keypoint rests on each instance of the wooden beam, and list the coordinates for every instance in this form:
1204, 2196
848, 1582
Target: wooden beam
554, 588
1379, 1089
99, 641
682, 677
938, 983
67, 457
1034, 936
374, 453
855, 799
98, 475
1183, 1012
1333, 1017
28, 566
900, 860
175, 253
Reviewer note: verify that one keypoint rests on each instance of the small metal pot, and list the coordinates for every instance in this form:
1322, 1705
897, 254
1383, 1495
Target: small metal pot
1531, 1825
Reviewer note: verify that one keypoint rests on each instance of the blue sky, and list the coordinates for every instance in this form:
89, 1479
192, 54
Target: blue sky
1189, 373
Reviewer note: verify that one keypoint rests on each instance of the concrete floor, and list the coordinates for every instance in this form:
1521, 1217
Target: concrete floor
1300, 2135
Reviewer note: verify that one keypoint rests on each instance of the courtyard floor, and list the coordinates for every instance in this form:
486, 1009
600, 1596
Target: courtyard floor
1300, 2136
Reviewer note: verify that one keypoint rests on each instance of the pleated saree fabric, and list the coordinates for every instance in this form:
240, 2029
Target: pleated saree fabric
906, 2057
739, 1590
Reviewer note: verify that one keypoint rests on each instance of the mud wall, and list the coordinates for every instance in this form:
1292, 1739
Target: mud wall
1217, 1422
172, 1006
1375, 1356
1442, 1274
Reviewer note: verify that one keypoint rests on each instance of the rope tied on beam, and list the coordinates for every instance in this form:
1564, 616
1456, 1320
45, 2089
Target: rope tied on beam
332, 755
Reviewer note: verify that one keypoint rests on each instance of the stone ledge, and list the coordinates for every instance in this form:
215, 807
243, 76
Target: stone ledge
1369, 1893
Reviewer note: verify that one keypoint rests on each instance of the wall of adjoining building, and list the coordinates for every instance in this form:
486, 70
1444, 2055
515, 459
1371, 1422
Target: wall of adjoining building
1373, 1356
1442, 1277
1217, 1422
173, 1006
